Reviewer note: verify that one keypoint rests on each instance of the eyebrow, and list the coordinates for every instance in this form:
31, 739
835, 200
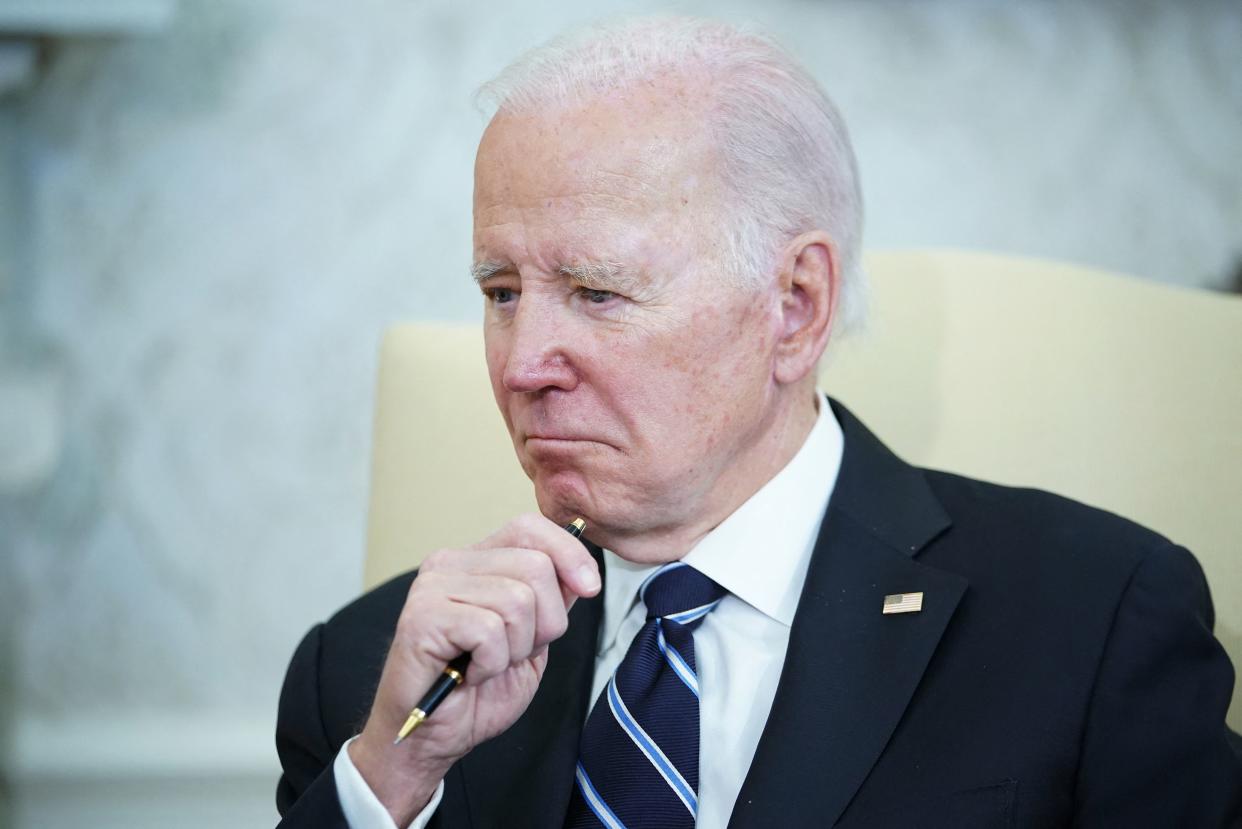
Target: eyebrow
597, 276
480, 271
604, 276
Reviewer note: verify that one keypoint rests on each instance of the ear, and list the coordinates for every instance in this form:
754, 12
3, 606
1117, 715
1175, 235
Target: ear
809, 282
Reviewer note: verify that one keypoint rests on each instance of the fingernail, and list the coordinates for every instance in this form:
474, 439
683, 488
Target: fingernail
588, 577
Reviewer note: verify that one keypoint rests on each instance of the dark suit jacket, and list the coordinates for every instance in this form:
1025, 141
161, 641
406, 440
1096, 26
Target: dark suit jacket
1062, 672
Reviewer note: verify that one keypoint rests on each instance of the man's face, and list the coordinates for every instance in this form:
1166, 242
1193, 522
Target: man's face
631, 374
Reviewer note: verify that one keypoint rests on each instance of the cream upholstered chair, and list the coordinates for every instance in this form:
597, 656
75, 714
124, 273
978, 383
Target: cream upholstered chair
1121, 393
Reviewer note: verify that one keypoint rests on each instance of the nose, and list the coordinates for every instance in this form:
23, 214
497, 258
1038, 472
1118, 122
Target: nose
539, 353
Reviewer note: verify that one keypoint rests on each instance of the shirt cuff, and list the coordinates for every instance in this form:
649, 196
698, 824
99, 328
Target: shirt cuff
361, 807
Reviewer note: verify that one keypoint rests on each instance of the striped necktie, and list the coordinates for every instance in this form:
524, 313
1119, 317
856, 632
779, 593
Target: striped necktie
638, 761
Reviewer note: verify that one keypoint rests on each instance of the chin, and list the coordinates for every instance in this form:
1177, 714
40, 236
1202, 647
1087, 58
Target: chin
562, 496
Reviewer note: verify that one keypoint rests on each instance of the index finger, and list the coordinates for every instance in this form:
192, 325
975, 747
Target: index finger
576, 570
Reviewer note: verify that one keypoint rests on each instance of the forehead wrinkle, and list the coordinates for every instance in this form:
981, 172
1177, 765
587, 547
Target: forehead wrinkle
633, 182
581, 200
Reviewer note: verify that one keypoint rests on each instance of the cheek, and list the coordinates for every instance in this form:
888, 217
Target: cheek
734, 366
728, 348
708, 382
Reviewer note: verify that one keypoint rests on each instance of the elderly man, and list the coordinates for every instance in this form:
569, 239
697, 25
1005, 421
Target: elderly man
667, 224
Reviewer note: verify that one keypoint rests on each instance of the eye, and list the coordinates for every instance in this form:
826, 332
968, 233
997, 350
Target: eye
596, 297
500, 296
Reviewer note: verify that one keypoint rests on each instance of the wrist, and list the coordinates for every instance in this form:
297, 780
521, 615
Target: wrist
404, 784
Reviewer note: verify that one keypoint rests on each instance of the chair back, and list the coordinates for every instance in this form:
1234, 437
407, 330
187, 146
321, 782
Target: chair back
1120, 393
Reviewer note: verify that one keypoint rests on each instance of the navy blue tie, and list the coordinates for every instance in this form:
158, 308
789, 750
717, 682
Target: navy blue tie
638, 765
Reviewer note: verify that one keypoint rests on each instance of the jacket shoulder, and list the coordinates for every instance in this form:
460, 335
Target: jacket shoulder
1047, 525
1039, 559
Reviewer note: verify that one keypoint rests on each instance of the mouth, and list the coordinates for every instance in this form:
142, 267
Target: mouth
561, 440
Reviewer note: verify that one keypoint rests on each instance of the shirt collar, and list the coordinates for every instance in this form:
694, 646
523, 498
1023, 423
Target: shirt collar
780, 521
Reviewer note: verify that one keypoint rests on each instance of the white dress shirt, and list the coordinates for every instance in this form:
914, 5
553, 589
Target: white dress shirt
759, 554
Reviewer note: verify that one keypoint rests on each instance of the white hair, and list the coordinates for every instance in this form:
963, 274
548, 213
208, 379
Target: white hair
786, 155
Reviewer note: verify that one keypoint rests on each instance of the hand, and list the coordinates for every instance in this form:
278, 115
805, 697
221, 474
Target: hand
502, 600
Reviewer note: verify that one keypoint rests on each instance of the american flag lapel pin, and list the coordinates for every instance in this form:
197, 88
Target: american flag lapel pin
903, 603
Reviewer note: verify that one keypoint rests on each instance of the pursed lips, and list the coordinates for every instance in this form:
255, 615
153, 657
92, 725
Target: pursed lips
560, 437
563, 438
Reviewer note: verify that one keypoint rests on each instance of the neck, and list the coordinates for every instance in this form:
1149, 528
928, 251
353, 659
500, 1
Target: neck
748, 473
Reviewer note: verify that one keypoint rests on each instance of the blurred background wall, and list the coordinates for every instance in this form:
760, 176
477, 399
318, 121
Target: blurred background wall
209, 209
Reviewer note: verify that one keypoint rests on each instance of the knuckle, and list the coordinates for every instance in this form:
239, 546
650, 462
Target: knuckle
542, 565
492, 655
527, 527
423, 588
519, 598
557, 625
489, 662
492, 627
434, 560
423, 602
536, 566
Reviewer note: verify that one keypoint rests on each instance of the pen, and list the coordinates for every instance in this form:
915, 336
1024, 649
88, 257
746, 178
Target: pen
455, 671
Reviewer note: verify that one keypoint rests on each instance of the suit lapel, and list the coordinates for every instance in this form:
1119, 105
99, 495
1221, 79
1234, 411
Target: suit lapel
850, 671
524, 777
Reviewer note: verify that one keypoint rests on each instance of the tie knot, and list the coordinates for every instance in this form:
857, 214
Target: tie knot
680, 593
